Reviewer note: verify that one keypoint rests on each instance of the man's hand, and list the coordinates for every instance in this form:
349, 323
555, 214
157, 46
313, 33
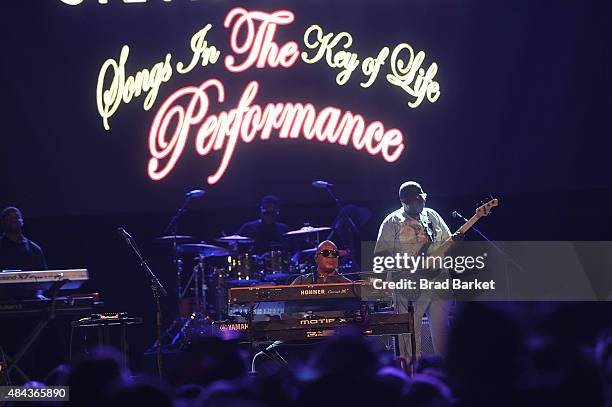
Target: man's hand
457, 237
40, 295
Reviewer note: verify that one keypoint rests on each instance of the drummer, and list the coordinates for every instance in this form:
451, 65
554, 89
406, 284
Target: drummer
266, 231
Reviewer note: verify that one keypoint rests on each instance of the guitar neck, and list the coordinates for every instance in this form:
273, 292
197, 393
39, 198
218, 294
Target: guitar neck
439, 251
468, 225
481, 211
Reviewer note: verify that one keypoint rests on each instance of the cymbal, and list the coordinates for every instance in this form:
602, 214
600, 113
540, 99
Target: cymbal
170, 238
307, 229
235, 238
205, 250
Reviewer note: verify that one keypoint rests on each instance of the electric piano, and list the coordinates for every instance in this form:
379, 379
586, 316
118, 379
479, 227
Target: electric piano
359, 290
384, 323
43, 280
71, 305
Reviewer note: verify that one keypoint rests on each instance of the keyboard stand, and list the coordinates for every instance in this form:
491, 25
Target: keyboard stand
35, 333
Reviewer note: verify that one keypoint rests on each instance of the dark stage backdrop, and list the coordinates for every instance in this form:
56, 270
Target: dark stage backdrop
523, 112
523, 106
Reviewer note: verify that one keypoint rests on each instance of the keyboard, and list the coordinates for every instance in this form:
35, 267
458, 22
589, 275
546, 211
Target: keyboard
71, 305
44, 280
384, 323
361, 291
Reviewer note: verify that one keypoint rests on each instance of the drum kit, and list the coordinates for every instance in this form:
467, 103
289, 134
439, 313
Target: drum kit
202, 294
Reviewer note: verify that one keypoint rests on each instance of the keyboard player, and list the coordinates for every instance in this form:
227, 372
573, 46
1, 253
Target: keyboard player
17, 252
326, 258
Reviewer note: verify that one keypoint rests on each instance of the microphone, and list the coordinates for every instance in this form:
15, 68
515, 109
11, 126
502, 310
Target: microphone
124, 233
196, 193
456, 214
322, 184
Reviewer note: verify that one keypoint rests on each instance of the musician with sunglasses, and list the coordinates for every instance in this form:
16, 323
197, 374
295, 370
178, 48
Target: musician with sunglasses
409, 230
326, 258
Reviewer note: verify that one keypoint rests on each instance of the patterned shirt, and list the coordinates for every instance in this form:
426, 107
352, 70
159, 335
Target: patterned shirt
400, 233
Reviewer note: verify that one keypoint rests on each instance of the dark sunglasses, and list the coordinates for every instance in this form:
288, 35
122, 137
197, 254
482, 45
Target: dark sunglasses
420, 196
327, 253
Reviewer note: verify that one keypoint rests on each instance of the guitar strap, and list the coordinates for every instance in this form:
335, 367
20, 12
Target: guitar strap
426, 223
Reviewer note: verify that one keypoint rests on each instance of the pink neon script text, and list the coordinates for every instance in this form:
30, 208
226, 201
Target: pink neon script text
189, 107
258, 44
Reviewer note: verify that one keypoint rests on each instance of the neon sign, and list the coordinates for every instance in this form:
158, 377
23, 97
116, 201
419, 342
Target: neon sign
259, 44
188, 112
123, 89
78, 2
406, 73
248, 121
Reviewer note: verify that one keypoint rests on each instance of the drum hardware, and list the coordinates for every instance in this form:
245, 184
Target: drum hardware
307, 230
202, 249
184, 327
178, 265
199, 318
219, 278
347, 223
310, 236
276, 261
172, 238
311, 251
243, 267
171, 235
157, 290
277, 265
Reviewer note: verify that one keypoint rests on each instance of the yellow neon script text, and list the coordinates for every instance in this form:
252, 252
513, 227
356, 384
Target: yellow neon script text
124, 88
406, 72
201, 51
345, 60
406, 67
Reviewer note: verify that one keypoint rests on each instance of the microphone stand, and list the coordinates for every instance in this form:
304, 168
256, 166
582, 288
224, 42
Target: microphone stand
173, 222
491, 242
172, 228
505, 255
156, 289
339, 205
347, 217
